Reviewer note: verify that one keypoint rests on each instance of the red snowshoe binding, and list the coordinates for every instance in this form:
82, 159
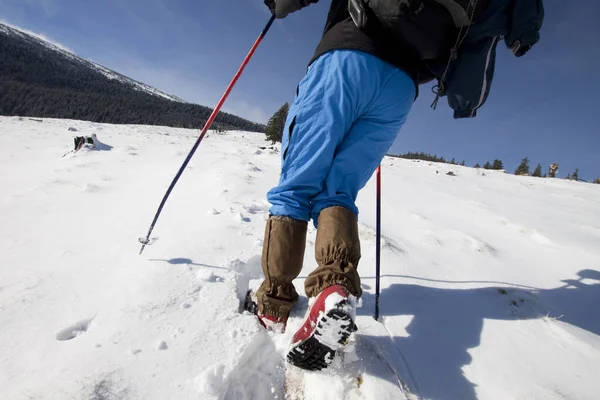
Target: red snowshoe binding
269, 322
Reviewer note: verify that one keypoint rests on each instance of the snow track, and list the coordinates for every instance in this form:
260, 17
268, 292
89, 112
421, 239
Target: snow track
259, 374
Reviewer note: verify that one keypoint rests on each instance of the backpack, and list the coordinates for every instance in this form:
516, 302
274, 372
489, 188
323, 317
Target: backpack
430, 28
456, 40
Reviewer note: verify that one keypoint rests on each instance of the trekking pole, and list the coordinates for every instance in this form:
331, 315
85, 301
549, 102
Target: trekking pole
209, 122
378, 244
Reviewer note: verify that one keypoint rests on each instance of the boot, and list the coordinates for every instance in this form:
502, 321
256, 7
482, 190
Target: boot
332, 289
282, 258
327, 326
337, 252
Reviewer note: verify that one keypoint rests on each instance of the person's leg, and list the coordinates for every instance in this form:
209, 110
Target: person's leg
337, 247
282, 257
323, 112
329, 320
336, 90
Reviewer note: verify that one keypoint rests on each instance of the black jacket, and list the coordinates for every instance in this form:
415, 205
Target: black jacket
404, 51
467, 81
340, 32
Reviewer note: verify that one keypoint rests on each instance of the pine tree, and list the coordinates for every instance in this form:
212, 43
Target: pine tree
276, 124
463, 163
538, 171
523, 168
487, 165
452, 161
477, 165
575, 175
498, 165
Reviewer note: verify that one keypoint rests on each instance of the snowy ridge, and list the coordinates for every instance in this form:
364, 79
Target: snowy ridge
490, 282
110, 74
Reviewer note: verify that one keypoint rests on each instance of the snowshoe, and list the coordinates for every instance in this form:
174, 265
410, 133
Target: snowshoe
328, 324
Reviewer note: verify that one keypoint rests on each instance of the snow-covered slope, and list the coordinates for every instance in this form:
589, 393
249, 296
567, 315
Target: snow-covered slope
490, 282
110, 74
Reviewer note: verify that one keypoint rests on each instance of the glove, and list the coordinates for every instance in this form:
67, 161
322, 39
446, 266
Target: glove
282, 8
270, 5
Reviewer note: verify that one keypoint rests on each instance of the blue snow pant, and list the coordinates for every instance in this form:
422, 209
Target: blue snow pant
348, 110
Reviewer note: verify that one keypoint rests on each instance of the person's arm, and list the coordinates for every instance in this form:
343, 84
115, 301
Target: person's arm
282, 8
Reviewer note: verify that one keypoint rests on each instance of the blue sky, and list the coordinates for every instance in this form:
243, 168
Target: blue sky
542, 106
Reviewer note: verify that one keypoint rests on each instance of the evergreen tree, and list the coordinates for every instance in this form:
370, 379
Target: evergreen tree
36, 81
463, 163
575, 175
276, 124
477, 165
523, 168
498, 165
537, 172
487, 165
452, 161
421, 156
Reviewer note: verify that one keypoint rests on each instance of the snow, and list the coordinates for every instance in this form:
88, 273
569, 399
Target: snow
490, 282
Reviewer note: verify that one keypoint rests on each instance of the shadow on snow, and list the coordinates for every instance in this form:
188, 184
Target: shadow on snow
446, 323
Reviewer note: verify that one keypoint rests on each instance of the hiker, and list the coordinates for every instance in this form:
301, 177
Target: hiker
355, 97
553, 170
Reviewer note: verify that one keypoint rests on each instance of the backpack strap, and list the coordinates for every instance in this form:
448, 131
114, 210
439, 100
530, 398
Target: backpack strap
458, 11
440, 89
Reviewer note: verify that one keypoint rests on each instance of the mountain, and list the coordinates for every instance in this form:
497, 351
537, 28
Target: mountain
490, 283
40, 79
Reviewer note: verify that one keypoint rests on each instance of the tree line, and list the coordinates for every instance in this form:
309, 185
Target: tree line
276, 126
36, 81
523, 170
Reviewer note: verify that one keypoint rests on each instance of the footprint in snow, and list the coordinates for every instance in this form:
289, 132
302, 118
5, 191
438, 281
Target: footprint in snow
252, 168
256, 209
162, 345
74, 330
242, 218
